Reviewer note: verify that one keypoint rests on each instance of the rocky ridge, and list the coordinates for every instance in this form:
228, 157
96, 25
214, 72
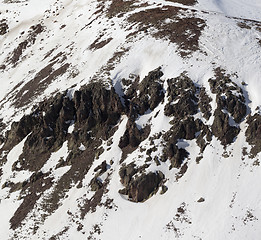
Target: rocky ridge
98, 130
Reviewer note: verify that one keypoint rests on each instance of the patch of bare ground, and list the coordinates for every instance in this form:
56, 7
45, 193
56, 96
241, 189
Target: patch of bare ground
91, 204
41, 80
33, 32
98, 43
170, 23
185, 2
32, 189
60, 234
119, 7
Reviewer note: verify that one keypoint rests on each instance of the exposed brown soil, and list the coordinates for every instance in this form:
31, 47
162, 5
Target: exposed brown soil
97, 44
119, 7
41, 80
30, 40
171, 24
36, 186
185, 2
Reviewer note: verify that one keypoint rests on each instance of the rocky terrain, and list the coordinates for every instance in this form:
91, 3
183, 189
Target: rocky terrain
130, 119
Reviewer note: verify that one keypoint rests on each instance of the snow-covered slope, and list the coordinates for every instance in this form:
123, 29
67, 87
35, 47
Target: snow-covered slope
130, 119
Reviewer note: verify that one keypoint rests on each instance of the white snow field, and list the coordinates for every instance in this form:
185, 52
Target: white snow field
216, 198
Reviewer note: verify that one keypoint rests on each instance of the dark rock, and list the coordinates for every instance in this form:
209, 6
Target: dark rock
19, 130
142, 187
133, 136
178, 158
253, 133
95, 184
164, 189
36, 176
185, 129
204, 137
102, 167
3, 27
201, 200
181, 90
235, 105
222, 129
229, 96
126, 173
150, 93
204, 103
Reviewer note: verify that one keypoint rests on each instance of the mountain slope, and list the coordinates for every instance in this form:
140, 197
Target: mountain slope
130, 119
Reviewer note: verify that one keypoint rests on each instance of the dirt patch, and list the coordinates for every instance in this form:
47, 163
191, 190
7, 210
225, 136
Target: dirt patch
34, 189
41, 81
185, 2
33, 32
170, 23
97, 44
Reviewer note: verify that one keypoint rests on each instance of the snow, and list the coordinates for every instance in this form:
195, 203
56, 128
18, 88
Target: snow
225, 178
9, 203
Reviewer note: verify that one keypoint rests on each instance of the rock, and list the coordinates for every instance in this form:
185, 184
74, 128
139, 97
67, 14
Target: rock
36, 176
19, 130
92, 108
229, 96
222, 129
178, 158
95, 184
164, 189
132, 135
150, 93
201, 200
139, 187
3, 27
253, 133
204, 103
182, 91
102, 167
204, 137
142, 187
126, 173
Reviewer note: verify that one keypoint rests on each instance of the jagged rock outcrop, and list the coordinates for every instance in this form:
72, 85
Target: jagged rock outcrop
145, 95
33, 32
93, 110
253, 133
230, 107
222, 129
204, 103
140, 187
133, 136
3, 27
181, 96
